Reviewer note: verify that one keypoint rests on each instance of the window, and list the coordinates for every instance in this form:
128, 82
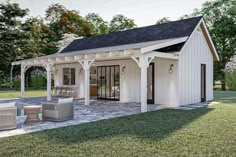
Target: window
68, 76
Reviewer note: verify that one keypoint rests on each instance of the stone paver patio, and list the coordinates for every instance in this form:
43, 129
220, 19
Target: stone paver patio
97, 110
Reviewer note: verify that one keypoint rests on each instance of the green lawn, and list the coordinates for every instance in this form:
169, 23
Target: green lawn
16, 94
202, 132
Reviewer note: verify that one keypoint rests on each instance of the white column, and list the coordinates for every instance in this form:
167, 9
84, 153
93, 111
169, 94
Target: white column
143, 67
86, 66
86, 84
143, 62
48, 68
22, 76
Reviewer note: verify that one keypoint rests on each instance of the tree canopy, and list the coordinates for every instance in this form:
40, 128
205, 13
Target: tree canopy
11, 35
121, 23
100, 26
220, 16
26, 37
163, 20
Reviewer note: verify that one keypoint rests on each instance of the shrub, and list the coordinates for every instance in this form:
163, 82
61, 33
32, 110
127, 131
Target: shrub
37, 79
230, 80
5, 82
17, 84
37, 82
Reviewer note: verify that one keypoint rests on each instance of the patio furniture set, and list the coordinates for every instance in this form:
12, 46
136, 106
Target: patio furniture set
51, 111
65, 91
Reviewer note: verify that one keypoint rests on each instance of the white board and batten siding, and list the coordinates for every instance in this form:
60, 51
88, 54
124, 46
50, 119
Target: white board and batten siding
165, 83
195, 53
129, 82
58, 79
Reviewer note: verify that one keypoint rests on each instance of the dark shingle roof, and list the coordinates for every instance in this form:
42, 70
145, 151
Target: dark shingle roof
176, 29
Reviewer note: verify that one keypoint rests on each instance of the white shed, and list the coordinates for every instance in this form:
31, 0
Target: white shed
169, 64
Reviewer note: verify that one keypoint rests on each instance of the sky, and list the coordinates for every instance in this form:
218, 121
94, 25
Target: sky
144, 12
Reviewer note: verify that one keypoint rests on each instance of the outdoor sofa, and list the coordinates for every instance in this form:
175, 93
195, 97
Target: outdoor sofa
8, 112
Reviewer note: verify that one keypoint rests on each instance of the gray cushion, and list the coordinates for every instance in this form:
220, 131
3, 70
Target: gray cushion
7, 105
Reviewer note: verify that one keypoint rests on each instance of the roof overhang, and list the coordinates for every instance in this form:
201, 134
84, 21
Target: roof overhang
209, 40
108, 53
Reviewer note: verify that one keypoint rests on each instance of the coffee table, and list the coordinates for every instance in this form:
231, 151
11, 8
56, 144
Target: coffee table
32, 114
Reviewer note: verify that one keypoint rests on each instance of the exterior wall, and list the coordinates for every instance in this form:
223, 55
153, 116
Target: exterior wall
195, 53
166, 83
129, 82
78, 82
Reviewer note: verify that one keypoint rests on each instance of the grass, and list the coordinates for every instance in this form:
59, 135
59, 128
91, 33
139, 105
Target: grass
201, 132
16, 94
225, 96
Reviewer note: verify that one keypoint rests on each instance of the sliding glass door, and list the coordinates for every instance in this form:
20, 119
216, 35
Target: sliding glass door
108, 82
203, 82
150, 84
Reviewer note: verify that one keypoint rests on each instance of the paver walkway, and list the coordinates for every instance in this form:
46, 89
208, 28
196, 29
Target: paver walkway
97, 110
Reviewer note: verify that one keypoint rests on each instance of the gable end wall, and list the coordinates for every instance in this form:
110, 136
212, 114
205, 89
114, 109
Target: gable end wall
195, 53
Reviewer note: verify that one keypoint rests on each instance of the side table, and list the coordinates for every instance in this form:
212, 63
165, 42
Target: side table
32, 114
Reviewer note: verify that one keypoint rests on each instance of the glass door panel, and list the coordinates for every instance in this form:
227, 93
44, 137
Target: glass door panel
150, 84
99, 72
112, 79
103, 82
108, 85
108, 82
203, 82
117, 82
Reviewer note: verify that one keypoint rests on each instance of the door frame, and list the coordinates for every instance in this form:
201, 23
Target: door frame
203, 82
152, 101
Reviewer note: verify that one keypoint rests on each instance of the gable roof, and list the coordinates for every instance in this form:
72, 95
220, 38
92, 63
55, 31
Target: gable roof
175, 29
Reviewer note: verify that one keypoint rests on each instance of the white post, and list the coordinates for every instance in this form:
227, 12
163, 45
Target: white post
86, 83
143, 66
86, 66
22, 76
143, 62
49, 70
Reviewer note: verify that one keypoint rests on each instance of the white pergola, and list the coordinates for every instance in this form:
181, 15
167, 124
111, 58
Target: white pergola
141, 53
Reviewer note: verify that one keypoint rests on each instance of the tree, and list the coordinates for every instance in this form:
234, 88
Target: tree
231, 65
163, 20
220, 16
11, 36
35, 41
196, 12
63, 21
99, 25
120, 23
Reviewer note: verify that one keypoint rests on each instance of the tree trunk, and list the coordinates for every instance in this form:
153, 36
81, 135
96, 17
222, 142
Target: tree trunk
223, 86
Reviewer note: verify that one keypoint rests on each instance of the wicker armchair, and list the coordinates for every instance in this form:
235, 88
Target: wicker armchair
8, 116
61, 111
